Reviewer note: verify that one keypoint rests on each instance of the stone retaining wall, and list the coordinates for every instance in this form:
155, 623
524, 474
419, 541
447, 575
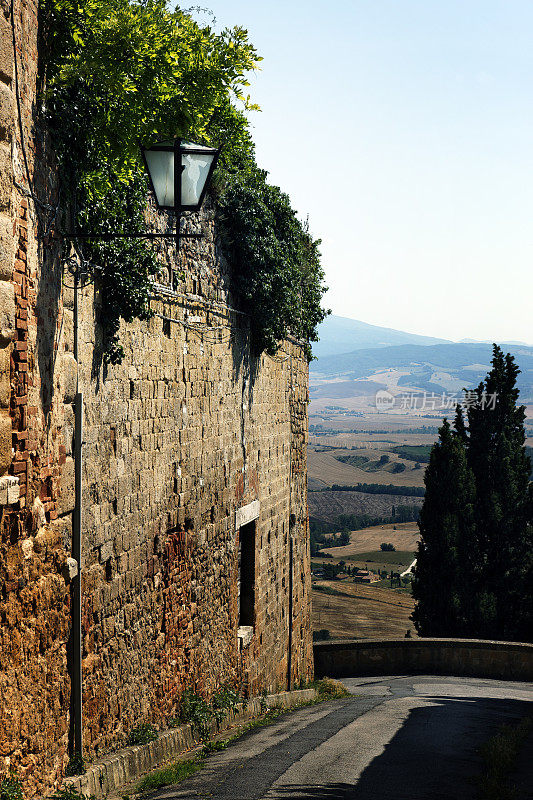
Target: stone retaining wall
110, 773
469, 657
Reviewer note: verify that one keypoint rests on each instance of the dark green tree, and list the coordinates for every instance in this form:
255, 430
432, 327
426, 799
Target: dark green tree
502, 572
446, 528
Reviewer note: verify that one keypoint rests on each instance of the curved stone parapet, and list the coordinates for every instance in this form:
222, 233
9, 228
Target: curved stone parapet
469, 657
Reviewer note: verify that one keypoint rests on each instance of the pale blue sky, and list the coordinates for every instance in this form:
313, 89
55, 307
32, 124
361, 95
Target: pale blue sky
404, 128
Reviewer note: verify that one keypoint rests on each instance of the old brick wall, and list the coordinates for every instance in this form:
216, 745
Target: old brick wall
187, 431
34, 546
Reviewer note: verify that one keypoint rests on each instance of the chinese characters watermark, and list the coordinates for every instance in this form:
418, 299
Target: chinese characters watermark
430, 401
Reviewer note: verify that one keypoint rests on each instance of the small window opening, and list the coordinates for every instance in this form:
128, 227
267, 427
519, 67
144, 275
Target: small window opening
246, 575
166, 327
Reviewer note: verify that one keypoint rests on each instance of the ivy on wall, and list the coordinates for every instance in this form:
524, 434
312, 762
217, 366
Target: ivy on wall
277, 261
123, 72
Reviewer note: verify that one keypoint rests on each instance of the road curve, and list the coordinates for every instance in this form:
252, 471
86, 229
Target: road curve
407, 738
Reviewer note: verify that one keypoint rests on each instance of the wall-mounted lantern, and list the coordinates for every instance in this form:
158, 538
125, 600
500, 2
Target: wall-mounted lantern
179, 173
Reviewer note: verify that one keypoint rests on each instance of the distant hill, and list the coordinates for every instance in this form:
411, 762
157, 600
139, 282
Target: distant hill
343, 335
432, 368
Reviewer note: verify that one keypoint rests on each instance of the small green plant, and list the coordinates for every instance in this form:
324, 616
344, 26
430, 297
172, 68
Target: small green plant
224, 701
197, 711
69, 793
499, 756
169, 775
142, 734
214, 747
76, 765
322, 635
329, 689
10, 788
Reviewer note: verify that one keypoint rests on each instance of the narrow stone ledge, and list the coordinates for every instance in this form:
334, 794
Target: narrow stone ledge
106, 776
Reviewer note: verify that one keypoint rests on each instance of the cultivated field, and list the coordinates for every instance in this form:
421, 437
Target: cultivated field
404, 537
328, 505
353, 611
325, 470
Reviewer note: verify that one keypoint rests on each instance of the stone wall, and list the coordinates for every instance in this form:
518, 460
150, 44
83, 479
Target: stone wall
190, 437
181, 437
34, 593
471, 657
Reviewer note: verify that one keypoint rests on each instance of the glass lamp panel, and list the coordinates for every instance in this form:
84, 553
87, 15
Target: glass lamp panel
161, 167
193, 178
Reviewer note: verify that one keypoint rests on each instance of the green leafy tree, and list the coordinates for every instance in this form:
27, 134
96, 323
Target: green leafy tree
123, 72
446, 527
144, 71
278, 272
119, 73
503, 547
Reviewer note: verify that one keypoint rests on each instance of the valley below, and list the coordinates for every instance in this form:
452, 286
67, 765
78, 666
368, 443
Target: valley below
374, 415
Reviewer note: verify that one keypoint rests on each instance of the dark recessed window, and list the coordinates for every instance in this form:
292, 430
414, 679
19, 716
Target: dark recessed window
246, 575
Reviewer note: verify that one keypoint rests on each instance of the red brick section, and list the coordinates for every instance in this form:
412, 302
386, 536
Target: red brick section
34, 594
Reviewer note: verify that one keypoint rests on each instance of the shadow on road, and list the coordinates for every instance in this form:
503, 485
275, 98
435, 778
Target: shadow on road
433, 756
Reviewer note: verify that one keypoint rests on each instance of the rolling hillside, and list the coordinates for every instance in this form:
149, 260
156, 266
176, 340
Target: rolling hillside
435, 368
342, 335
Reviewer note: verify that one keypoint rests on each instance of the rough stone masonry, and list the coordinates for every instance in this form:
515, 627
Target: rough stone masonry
194, 483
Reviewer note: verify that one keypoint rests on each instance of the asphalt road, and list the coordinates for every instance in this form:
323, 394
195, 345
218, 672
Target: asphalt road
407, 738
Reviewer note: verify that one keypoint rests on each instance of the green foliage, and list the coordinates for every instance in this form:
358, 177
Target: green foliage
123, 267
224, 701
331, 571
322, 635
277, 262
197, 711
142, 734
446, 527
502, 550
10, 788
168, 775
387, 546
499, 755
338, 541
330, 689
353, 522
145, 73
403, 557
70, 793
120, 73
474, 570
379, 488
414, 452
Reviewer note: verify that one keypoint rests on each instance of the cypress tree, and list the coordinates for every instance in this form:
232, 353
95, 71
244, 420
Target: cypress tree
502, 550
446, 527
